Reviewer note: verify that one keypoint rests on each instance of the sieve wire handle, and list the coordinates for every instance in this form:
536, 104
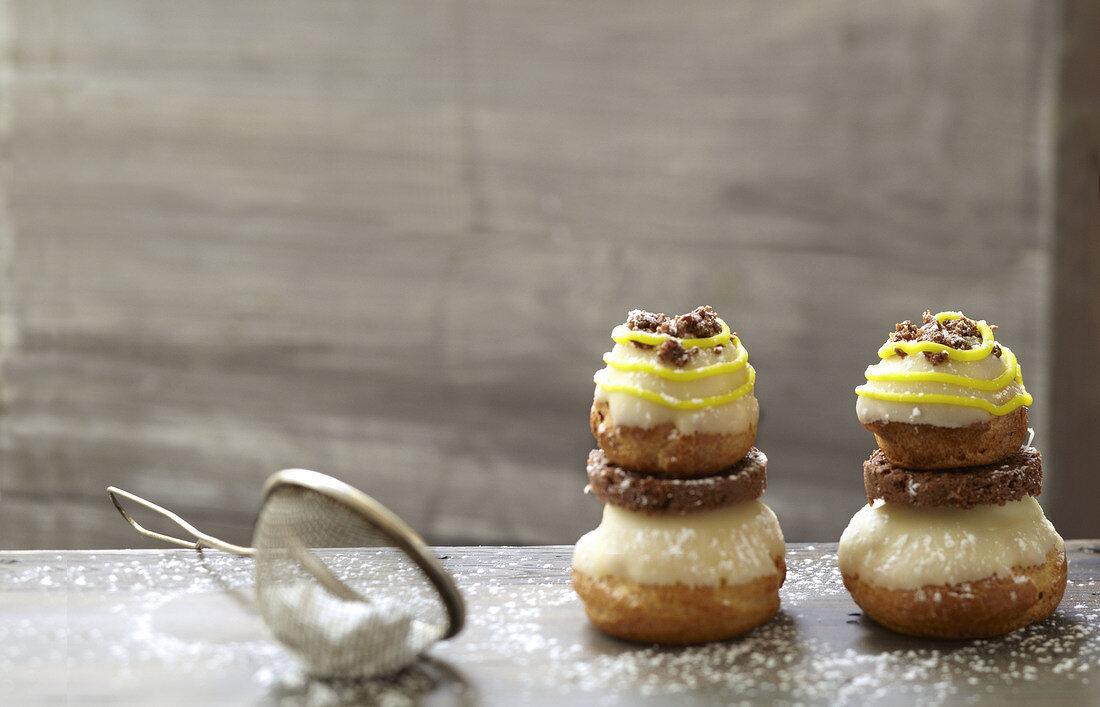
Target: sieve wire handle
321, 572
201, 539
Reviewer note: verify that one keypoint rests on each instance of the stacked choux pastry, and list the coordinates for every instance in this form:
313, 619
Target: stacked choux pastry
953, 543
684, 552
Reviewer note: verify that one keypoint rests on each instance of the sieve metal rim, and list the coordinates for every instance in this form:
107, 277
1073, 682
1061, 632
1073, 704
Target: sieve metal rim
386, 522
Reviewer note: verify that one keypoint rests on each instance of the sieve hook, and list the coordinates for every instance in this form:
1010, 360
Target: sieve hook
201, 539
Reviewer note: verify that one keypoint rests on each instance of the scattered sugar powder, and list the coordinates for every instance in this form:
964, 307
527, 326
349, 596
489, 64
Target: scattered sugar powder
808, 654
526, 641
338, 638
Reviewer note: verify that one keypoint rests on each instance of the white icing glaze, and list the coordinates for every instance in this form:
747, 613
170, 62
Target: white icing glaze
898, 547
631, 411
736, 544
938, 414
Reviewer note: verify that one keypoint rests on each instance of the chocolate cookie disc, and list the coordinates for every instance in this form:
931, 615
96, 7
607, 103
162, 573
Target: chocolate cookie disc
654, 495
1009, 479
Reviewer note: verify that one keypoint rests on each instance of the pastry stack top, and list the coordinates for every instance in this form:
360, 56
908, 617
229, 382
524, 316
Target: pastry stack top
676, 395
675, 418
944, 395
951, 487
947, 405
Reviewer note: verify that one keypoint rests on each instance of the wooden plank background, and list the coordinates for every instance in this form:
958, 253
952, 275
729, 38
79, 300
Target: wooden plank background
388, 240
1075, 392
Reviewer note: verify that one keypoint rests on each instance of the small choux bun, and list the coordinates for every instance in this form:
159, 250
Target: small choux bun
678, 613
663, 450
930, 447
675, 395
681, 578
944, 395
980, 609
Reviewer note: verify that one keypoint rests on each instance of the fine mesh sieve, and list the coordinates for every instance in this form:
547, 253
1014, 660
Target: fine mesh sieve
340, 580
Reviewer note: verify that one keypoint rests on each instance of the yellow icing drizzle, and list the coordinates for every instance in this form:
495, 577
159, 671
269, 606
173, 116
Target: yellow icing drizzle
1011, 373
688, 404
690, 374
623, 334
1020, 399
914, 347
1012, 370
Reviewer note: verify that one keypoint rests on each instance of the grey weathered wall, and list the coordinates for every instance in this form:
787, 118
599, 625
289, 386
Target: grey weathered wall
388, 240
1075, 315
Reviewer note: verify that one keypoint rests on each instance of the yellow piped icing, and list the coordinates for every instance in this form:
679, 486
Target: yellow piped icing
681, 404
624, 335
688, 374
1024, 399
913, 347
1011, 373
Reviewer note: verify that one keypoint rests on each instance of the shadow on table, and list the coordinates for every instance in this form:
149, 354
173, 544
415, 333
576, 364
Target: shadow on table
428, 679
1023, 667
1060, 628
246, 598
875, 638
778, 637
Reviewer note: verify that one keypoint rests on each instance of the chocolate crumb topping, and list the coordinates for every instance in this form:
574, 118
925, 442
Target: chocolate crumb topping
996, 350
961, 334
672, 353
905, 331
699, 323
641, 320
936, 357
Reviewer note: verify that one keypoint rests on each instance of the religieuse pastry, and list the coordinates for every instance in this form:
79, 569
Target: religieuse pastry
684, 553
944, 395
953, 543
676, 396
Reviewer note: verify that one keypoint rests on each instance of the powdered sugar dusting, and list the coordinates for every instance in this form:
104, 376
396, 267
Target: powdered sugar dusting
819, 649
176, 628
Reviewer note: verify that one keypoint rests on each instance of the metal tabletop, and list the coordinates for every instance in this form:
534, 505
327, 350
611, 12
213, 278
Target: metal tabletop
180, 627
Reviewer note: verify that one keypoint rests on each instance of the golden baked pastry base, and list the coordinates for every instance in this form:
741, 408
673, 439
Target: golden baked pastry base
678, 613
981, 609
661, 450
931, 447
